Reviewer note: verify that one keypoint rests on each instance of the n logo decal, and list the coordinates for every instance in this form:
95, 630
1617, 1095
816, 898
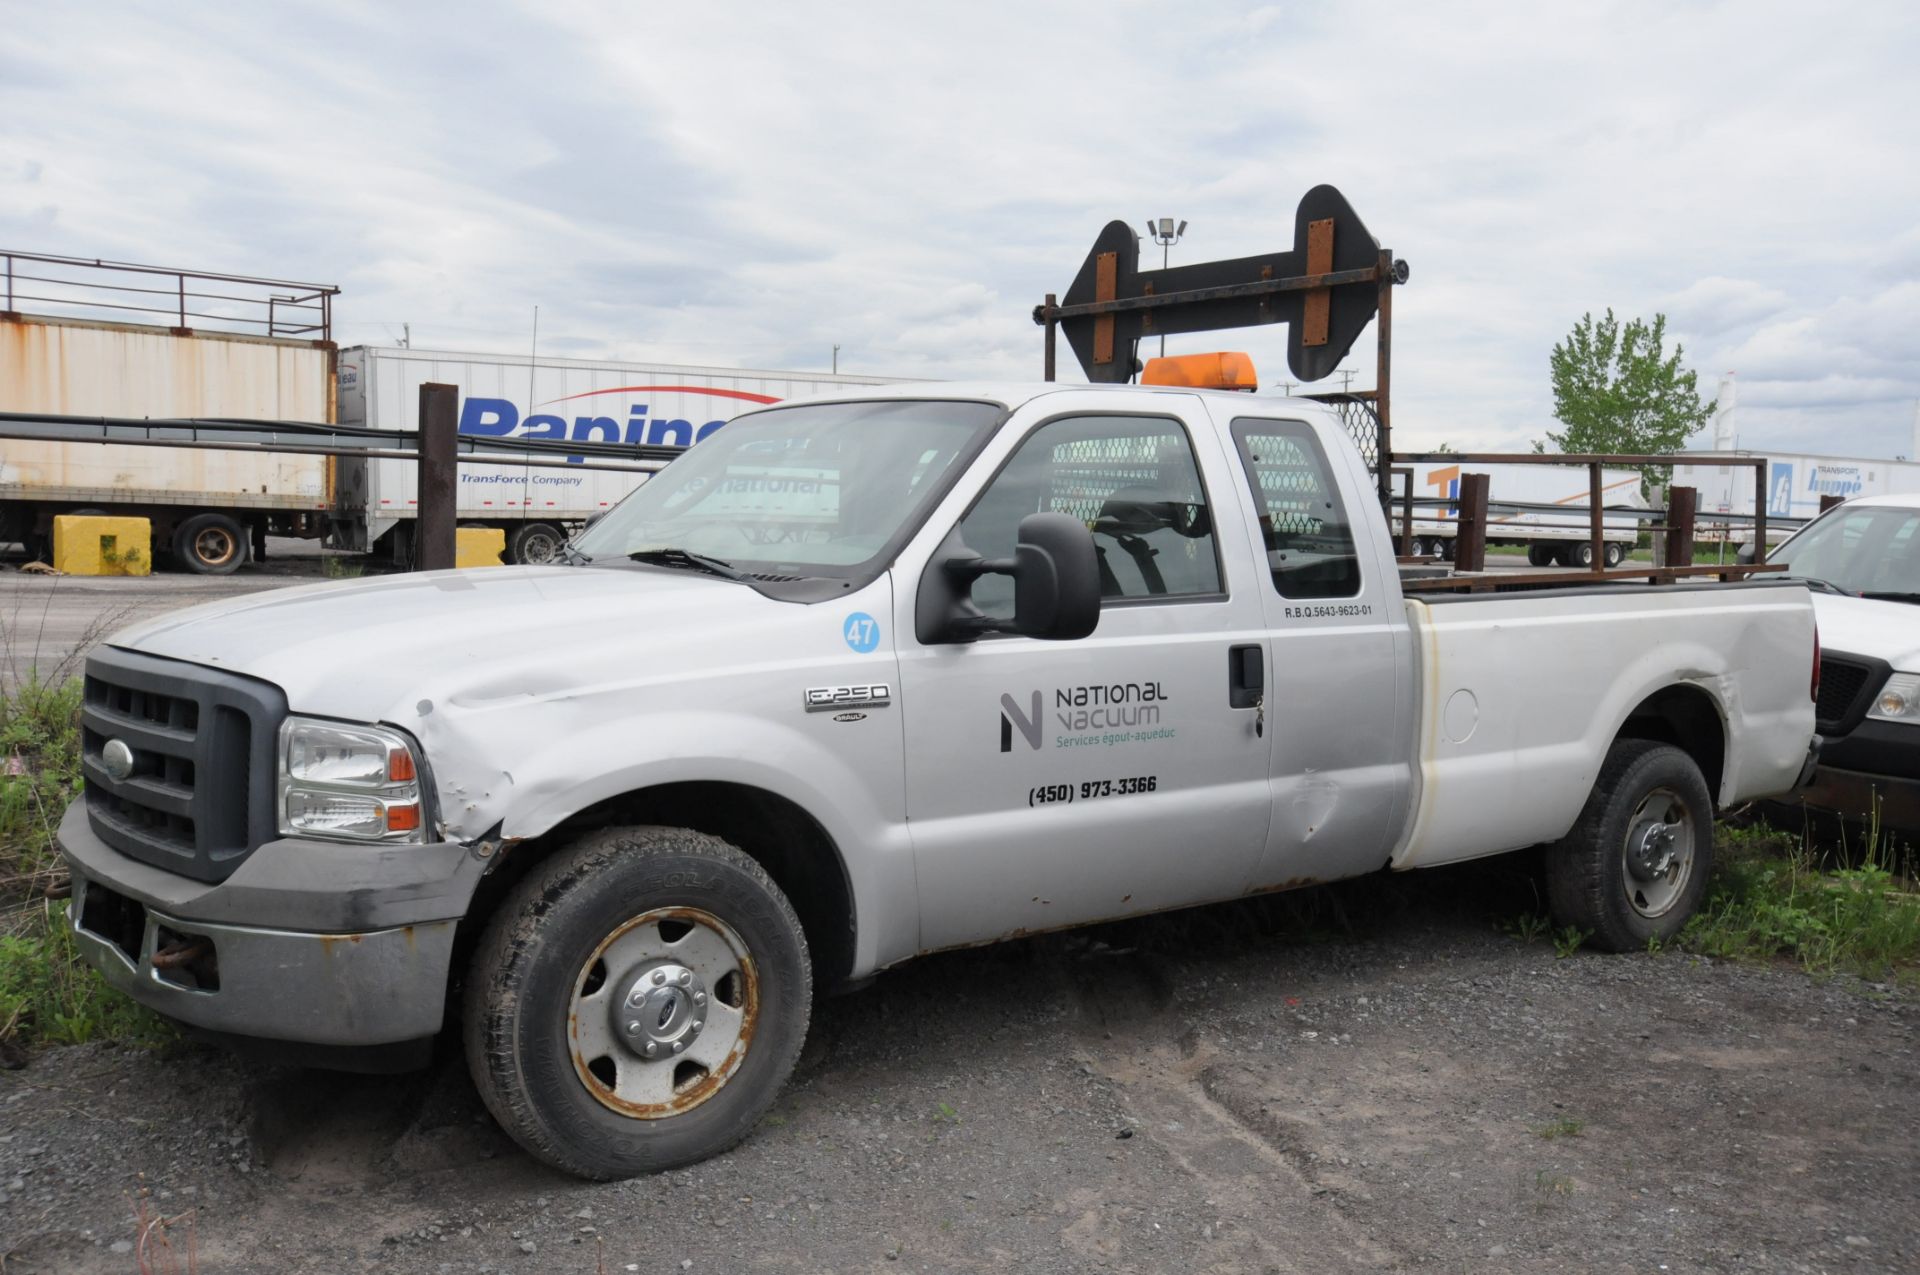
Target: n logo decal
1028, 722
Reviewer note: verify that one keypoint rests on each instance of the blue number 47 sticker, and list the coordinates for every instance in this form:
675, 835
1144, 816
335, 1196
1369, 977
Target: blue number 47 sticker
862, 632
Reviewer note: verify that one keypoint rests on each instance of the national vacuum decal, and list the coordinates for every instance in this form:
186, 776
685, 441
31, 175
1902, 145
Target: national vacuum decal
1087, 716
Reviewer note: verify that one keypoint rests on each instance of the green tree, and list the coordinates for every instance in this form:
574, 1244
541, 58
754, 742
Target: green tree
1617, 390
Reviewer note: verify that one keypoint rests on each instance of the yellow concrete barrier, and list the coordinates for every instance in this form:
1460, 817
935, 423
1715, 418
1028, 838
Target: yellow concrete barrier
98, 545
479, 546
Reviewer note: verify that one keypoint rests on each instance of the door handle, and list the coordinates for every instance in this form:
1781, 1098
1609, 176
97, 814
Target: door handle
1246, 676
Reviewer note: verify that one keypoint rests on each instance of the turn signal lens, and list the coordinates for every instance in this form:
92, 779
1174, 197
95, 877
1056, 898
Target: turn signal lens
400, 767
403, 818
1899, 699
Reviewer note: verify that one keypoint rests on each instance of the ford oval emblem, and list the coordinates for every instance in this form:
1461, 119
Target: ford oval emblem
117, 758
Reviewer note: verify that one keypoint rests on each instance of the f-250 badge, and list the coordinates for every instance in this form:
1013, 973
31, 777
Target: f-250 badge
826, 699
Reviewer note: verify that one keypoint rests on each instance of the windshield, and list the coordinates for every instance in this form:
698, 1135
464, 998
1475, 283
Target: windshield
1870, 549
818, 490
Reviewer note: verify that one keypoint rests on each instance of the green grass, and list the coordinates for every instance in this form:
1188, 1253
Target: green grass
46, 994
1564, 1127
1840, 909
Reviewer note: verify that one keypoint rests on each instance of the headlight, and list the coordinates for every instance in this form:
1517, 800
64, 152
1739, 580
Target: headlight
1898, 700
349, 783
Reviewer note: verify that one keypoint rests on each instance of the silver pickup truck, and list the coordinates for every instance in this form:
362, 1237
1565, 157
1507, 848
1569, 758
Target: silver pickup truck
856, 680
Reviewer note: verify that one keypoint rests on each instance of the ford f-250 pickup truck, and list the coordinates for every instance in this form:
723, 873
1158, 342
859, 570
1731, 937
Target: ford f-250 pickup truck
856, 680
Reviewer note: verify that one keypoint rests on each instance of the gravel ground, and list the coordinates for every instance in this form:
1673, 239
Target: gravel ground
1208, 1091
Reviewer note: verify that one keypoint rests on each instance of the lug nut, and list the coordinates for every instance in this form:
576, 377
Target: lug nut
685, 978
651, 1049
679, 1045
659, 977
699, 998
633, 1029
697, 1024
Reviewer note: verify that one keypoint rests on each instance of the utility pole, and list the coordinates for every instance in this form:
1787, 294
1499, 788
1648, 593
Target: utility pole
1166, 234
836, 360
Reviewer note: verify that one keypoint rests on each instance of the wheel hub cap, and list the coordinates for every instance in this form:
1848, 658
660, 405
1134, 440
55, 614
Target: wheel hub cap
1652, 859
663, 1011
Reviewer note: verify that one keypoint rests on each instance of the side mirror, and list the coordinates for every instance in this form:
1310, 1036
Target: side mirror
1745, 555
1056, 586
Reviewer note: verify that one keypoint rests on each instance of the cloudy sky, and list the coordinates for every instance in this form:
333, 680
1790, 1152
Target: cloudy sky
750, 184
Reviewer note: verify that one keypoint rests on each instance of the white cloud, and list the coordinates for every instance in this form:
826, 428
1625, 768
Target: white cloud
751, 184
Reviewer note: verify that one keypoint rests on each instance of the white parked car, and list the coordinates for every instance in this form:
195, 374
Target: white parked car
1862, 559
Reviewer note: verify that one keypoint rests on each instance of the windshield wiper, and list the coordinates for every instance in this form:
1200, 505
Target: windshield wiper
1819, 585
1880, 596
688, 560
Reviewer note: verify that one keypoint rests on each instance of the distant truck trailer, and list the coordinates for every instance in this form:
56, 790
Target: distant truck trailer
1548, 517
376, 501
211, 510
1796, 484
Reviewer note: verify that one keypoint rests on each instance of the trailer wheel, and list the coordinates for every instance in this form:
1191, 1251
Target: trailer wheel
1539, 556
535, 543
1579, 553
210, 545
1635, 866
1616, 553
637, 1002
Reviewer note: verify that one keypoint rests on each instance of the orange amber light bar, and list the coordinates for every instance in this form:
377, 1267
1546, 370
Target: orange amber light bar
1226, 370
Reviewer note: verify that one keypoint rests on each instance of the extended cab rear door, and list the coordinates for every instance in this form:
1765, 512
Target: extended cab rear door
1340, 694
1055, 782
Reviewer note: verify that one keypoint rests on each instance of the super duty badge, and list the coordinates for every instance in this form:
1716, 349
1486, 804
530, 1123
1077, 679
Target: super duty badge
823, 699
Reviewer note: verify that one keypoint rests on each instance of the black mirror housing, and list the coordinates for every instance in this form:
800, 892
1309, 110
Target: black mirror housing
1056, 585
1745, 554
1056, 579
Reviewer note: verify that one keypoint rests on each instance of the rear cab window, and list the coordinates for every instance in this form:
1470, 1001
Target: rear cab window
1304, 526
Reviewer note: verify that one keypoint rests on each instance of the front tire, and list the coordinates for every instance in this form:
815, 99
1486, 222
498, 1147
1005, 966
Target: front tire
1634, 868
637, 1003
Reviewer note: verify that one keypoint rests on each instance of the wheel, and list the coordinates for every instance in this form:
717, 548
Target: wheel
1539, 556
1635, 866
1445, 548
1616, 553
210, 544
1578, 553
637, 1002
535, 543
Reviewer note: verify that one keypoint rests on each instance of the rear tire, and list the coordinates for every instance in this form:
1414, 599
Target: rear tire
1635, 866
612, 922
1539, 556
210, 545
1616, 554
1579, 553
535, 543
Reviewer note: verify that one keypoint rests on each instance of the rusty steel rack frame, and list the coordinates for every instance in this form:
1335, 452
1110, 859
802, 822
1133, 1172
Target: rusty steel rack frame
1385, 273
291, 309
437, 447
1471, 540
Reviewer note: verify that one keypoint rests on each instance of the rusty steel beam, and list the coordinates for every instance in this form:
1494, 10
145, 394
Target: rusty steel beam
1470, 541
1595, 530
1493, 581
1226, 292
439, 478
1681, 504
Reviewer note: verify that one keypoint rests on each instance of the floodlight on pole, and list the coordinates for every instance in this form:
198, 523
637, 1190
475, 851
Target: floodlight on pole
1164, 232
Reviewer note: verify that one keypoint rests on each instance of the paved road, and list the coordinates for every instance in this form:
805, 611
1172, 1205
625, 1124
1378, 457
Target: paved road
48, 623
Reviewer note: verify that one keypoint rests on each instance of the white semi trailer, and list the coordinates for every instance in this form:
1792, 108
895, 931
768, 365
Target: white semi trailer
1546, 514
376, 501
1796, 484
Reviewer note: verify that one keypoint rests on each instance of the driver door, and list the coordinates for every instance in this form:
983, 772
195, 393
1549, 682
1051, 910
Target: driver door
1051, 783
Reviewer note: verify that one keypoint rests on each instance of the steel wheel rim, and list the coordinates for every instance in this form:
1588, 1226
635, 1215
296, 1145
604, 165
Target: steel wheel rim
222, 542
629, 994
1657, 855
538, 547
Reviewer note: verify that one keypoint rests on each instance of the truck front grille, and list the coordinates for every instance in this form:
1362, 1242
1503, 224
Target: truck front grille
1845, 684
198, 798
